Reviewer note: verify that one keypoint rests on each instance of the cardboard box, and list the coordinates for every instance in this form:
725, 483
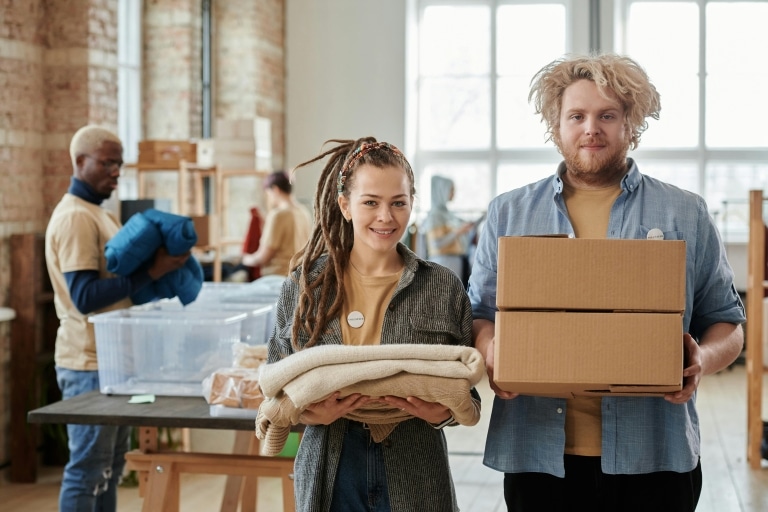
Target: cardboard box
205, 229
558, 273
166, 151
229, 154
566, 354
244, 128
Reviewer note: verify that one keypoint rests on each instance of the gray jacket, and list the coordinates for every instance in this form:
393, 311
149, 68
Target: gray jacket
429, 305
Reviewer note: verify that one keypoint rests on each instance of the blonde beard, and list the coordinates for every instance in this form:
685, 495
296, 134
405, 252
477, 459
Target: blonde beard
599, 170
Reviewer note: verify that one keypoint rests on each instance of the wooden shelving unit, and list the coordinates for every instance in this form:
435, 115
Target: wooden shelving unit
192, 177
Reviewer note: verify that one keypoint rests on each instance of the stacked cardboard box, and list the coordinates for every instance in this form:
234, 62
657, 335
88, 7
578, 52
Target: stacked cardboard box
589, 317
239, 144
166, 152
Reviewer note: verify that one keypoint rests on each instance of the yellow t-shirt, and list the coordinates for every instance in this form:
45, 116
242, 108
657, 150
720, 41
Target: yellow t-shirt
589, 211
75, 240
286, 230
365, 302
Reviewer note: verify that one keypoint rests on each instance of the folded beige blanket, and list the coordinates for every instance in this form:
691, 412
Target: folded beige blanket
434, 373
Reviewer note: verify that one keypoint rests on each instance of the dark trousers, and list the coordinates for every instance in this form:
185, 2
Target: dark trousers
586, 488
361, 480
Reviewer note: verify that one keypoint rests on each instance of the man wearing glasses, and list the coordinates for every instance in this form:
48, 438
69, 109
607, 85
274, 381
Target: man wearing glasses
75, 238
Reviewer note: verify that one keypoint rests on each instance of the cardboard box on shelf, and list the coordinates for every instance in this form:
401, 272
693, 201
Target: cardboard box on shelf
205, 229
590, 274
229, 154
168, 152
566, 354
244, 128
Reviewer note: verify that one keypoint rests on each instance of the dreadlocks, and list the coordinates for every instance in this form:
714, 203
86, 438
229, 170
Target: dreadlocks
332, 235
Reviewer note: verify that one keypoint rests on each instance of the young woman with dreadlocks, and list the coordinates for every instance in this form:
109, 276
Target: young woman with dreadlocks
356, 284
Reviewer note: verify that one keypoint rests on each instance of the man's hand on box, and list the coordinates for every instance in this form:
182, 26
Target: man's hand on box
489, 360
692, 372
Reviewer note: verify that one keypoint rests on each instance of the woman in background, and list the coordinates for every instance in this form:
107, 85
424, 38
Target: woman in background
286, 228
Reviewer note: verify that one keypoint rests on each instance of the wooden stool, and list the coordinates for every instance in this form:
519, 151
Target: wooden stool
159, 475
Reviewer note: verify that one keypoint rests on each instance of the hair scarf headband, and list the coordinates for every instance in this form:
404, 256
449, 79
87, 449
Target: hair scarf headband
357, 154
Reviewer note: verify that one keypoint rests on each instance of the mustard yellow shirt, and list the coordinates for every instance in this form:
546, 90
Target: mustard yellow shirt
589, 211
365, 302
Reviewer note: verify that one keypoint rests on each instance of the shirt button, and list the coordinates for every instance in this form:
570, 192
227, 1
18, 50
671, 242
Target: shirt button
391, 307
559, 410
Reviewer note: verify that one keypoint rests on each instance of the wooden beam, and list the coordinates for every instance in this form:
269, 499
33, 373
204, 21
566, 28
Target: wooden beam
754, 359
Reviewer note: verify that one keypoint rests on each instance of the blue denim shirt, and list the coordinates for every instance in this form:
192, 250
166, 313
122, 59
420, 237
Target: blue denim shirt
639, 434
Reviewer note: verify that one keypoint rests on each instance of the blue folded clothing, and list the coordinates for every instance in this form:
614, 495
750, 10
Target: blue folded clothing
178, 232
184, 283
135, 245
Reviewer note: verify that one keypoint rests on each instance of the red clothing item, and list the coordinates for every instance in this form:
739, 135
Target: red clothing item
251, 242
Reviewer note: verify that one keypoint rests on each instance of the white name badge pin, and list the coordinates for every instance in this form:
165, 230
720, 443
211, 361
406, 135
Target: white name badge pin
355, 319
655, 234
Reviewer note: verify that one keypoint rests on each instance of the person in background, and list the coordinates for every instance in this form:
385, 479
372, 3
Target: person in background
610, 453
447, 236
286, 228
75, 238
356, 284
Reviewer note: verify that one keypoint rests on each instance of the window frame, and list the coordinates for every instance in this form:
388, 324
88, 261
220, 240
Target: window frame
592, 25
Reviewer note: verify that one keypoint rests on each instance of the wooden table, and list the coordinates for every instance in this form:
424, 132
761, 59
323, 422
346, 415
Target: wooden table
159, 471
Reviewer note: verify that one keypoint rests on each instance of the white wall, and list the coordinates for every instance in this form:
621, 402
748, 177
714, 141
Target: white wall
345, 67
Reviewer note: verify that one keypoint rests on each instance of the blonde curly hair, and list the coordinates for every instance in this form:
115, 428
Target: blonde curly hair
620, 75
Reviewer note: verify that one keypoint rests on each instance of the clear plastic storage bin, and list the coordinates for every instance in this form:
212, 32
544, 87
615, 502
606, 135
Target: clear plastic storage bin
255, 329
163, 352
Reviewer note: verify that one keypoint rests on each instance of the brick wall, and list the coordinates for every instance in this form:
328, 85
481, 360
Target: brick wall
21, 140
171, 69
249, 69
58, 72
58, 63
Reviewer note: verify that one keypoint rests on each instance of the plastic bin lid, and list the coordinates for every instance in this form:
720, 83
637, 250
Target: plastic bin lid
169, 316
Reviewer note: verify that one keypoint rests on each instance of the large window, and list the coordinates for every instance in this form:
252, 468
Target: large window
710, 137
129, 76
471, 63
129, 87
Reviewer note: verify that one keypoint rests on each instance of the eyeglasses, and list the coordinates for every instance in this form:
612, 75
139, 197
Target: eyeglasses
107, 164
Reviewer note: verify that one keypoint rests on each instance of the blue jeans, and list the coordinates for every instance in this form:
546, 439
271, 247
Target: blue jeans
96, 453
361, 480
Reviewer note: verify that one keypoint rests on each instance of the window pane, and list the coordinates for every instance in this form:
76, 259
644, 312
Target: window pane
528, 36
472, 187
518, 124
454, 113
673, 68
540, 30
444, 52
512, 176
727, 195
129, 81
681, 174
736, 78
